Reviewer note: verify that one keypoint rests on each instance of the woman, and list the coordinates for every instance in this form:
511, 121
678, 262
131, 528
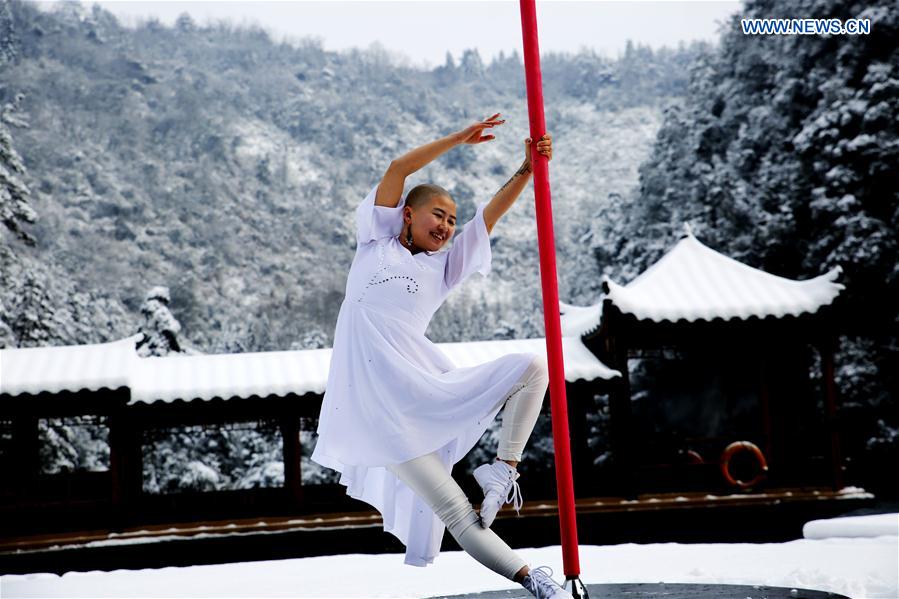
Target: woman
397, 413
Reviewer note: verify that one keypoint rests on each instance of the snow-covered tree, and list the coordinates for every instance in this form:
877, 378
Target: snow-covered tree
14, 207
73, 443
160, 328
202, 458
8, 38
34, 320
7, 336
450, 62
185, 23
471, 63
314, 339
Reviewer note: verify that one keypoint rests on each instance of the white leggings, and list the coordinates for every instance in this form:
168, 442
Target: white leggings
427, 477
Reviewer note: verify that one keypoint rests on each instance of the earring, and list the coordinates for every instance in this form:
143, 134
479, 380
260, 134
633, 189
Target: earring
409, 235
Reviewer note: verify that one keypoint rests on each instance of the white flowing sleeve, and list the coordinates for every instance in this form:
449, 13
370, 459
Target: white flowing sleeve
470, 251
374, 221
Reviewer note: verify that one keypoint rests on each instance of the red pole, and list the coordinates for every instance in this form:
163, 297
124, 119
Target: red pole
548, 279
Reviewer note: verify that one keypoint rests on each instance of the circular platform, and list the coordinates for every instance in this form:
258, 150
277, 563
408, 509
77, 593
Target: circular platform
669, 591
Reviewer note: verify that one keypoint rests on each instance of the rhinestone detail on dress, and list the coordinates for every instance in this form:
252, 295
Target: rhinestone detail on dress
381, 274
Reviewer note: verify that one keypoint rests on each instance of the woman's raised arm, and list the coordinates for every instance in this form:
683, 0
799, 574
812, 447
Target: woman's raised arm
391, 187
511, 189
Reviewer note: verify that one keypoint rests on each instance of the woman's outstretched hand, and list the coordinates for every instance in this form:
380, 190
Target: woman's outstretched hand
472, 134
544, 146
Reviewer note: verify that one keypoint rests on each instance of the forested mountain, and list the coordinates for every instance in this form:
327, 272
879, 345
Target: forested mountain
225, 166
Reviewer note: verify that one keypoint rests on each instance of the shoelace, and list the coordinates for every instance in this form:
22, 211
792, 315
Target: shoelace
543, 582
515, 496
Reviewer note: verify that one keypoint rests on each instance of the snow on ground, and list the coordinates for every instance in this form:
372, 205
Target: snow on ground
861, 567
874, 525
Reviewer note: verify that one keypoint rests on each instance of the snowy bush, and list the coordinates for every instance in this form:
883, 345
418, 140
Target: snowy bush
75, 443
213, 458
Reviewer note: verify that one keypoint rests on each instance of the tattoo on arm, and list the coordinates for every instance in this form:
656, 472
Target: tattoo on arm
521, 171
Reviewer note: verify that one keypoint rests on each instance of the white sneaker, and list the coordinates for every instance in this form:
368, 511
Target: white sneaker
542, 586
497, 480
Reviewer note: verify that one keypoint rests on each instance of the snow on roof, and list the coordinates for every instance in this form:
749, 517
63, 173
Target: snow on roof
694, 282
67, 367
580, 363
205, 376
579, 320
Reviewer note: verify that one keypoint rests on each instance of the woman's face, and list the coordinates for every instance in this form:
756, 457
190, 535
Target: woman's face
434, 223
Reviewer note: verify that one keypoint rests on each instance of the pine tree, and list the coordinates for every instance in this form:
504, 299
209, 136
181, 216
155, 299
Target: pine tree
471, 63
33, 323
185, 23
14, 207
8, 39
7, 336
160, 328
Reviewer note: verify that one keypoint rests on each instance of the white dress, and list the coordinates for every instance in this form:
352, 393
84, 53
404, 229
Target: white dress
391, 394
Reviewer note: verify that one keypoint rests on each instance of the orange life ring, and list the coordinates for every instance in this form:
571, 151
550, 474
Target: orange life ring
738, 446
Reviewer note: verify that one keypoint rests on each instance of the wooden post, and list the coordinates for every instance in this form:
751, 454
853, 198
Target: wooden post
620, 418
765, 403
290, 434
26, 452
125, 465
581, 397
826, 349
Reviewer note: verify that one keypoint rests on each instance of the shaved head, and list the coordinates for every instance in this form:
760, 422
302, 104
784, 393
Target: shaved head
420, 194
